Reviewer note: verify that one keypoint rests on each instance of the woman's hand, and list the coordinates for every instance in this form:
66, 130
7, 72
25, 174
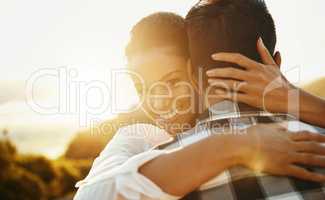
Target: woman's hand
263, 86
276, 151
259, 85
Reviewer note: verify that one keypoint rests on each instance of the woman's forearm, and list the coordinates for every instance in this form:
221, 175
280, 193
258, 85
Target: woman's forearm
182, 171
311, 109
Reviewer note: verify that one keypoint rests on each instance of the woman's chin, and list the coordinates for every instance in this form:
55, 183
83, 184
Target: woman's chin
175, 125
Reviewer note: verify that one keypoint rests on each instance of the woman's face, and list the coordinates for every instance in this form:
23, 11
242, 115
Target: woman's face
162, 81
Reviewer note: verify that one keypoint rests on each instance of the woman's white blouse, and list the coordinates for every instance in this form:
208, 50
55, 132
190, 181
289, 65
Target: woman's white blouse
114, 174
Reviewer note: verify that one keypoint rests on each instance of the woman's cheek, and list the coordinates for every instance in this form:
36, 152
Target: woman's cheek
184, 102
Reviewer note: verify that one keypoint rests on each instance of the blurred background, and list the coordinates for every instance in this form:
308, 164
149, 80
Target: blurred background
86, 39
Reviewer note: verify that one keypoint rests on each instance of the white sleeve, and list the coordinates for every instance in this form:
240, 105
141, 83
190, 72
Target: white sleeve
114, 174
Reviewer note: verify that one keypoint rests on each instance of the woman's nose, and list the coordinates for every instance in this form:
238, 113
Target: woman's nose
161, 105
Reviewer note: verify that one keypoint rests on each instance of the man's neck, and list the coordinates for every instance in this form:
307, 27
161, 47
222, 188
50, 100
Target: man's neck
223, 107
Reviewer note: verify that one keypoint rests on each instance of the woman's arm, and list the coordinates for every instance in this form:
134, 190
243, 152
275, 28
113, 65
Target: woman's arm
312, 109
114, 173
263, 86
266, 148
180, 172
125, 167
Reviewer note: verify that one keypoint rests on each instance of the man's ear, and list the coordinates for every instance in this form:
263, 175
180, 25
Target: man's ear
192, 76
277, 58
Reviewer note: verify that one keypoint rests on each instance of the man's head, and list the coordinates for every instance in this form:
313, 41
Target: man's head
228, 26
158, 54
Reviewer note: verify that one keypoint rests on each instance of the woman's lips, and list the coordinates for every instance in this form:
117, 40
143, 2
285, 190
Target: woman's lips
168, 115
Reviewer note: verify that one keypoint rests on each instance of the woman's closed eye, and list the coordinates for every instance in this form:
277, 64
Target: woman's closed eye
173, 82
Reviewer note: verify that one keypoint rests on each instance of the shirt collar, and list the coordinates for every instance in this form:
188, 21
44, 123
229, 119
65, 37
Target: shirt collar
227, 109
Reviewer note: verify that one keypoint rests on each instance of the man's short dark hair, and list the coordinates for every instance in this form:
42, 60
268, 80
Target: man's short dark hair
158, 30
228, 26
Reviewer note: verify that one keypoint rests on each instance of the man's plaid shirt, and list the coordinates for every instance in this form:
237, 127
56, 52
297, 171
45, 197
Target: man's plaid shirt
239, 183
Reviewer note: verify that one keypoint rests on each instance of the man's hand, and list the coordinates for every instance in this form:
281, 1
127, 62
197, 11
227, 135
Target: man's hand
276, 151
259, 85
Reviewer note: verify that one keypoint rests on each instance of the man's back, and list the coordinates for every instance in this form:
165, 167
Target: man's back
239, 182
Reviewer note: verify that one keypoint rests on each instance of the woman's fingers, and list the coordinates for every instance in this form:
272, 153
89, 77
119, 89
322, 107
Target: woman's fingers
229, 73
309, 159
311, 147
304, 174
233, 96
228, 85
308, 136
244, 61
236, 58
264, 53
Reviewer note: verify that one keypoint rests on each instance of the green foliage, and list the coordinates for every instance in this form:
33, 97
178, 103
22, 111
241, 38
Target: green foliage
38, 165
83, 166
85, 145
7, 155
34, 177
316, 87
8, 147
68, 176
19, 184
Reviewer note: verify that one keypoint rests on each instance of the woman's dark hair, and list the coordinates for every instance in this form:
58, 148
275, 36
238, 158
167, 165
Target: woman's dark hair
158, 30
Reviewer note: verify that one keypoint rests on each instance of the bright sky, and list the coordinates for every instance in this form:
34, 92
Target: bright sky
90, 36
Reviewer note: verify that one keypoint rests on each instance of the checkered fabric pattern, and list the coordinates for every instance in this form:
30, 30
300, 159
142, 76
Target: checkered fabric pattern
239, 183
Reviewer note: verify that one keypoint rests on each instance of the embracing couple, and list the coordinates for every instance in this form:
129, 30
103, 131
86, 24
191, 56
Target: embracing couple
228, 125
